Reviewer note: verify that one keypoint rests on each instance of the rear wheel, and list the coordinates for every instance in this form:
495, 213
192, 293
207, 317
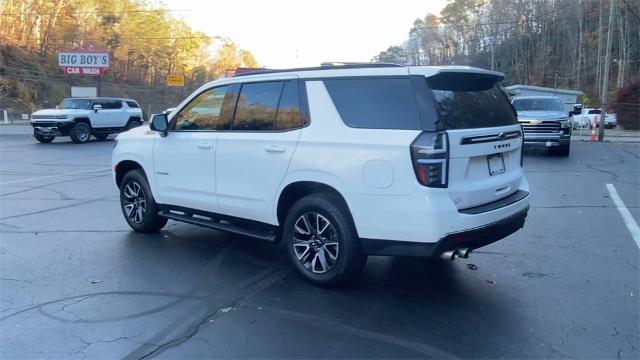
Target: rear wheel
80, 133
138, 206
133, 124
322, 241
101, 136
43, 139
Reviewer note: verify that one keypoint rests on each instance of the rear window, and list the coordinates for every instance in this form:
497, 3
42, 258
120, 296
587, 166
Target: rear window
375, 103
467, 101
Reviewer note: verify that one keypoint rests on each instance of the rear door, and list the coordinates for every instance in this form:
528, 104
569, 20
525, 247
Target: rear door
484, 137
252, 158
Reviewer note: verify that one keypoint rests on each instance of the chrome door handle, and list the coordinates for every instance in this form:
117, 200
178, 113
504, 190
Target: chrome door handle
274, 149
205, 146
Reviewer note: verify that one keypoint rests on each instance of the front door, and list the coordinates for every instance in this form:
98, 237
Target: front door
252, 159
184, 160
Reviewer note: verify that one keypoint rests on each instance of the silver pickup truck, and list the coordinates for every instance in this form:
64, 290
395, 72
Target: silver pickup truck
545, 122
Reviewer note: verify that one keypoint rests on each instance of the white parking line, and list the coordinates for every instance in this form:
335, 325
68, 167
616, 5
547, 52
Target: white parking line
631, 223
54, 176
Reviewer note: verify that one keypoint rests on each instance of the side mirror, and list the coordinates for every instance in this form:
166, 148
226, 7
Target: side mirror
97, 107
160, 123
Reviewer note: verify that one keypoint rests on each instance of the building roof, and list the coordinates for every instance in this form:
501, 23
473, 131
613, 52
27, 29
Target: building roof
545, 89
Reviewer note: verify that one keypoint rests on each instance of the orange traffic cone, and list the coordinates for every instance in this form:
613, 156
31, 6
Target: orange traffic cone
593, 132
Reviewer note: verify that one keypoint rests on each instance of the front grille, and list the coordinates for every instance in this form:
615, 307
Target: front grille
45, 123
544, 127
48, 116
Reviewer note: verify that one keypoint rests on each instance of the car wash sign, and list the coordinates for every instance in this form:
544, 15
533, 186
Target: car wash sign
83, 62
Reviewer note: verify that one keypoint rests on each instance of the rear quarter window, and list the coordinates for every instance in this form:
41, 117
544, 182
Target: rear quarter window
375, 103
132, 104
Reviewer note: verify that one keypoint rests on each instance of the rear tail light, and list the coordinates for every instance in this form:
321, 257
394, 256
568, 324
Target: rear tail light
522, 147
430, 156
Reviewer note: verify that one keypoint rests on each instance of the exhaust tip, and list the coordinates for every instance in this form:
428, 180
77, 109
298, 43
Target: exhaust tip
449, 255
464, 253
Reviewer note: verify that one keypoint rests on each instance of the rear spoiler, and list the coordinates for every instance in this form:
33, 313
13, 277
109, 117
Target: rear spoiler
457, 72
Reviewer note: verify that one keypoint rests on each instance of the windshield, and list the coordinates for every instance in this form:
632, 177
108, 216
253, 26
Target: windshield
75, 104
538, 104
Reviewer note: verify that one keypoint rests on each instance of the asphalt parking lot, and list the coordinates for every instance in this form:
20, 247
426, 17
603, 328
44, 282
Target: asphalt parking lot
77, 283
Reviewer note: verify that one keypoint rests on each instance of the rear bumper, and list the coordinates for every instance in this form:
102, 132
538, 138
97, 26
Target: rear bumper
472, 239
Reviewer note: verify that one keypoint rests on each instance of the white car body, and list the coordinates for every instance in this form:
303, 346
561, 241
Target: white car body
243, 174
591, 117
104, 115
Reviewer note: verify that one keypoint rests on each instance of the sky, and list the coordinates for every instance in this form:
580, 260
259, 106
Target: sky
286, 33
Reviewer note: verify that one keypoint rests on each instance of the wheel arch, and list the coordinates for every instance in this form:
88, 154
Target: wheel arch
83, 120
124, 166
134, 118
294, 191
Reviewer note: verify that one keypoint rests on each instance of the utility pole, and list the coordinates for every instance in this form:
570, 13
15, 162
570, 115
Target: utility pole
605, 85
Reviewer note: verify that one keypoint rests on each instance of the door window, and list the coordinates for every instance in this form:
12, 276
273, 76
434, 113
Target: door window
203, 112
257, 106
289, 115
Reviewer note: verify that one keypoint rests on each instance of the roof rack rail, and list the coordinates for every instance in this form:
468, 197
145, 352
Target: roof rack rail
323, 66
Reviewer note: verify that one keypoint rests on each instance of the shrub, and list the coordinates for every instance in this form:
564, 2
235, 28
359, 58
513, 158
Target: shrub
626, 106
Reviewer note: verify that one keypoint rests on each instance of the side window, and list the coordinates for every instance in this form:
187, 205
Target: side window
132, 104
203, 112
375, 103
99, 102
257, 106
289, 115
110, 104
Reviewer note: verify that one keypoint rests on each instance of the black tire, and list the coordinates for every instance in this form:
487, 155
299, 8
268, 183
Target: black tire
138, 206
101, 136
342, 256
43, 139
563, 150
80, 133
134, 123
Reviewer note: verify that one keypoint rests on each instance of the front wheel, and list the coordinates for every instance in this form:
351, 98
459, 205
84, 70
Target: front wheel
322, 241
43, 139
138, 206
80, 133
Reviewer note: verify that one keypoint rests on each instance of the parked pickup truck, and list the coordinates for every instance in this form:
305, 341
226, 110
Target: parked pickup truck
79, 118
545, 122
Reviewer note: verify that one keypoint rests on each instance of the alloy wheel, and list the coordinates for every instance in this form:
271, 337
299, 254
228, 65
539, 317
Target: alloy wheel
82, 132
315, 242
134, 202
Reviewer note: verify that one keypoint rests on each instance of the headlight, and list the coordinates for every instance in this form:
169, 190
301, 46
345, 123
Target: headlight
61, 116
565, 123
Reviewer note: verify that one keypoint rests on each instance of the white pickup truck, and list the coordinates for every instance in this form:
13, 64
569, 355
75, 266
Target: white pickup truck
79, 118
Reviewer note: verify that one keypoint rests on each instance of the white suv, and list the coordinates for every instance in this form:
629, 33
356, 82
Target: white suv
79, 118
339, 162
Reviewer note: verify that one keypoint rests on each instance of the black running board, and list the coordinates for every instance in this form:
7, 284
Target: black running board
222, 225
